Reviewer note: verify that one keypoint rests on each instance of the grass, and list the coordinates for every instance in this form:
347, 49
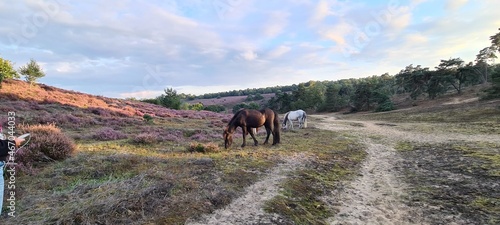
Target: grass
119, 181
458, 178
479, 117
336, 160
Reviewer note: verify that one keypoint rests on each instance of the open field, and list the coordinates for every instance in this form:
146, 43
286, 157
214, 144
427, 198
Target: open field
430, 164
130, 171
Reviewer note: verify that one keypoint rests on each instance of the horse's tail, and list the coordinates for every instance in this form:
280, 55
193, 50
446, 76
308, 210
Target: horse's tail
305, 120
276, 129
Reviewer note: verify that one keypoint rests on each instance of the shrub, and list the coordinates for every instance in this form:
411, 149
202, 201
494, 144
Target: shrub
100, 111
215, 108
107, 134
385, 106
203, 148
148, 118
47, 143
147, 138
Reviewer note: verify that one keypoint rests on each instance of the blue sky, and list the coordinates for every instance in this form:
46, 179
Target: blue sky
131, 48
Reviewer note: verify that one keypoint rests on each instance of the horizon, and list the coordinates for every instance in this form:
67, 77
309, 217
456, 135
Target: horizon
137, 49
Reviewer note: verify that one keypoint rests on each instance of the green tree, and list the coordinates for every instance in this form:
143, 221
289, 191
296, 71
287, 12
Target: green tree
413, 80
332, 98
436, 85
197, 106
362, 98
300, 93
7, 70
215, 108
494, 91
170, 99
452, 70
483, 58
495, 42
315, 95
251, 105
31, 71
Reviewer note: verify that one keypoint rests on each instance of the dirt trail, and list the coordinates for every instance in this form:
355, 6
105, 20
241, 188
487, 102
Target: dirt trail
374, 197
248, 209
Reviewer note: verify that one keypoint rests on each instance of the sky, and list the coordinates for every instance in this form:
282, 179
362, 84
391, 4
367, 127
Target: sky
132, 48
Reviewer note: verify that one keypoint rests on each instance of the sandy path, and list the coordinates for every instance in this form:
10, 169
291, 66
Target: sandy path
248, 209
390, 134
375, 196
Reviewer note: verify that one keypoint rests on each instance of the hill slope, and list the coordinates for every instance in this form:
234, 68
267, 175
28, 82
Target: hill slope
173, 170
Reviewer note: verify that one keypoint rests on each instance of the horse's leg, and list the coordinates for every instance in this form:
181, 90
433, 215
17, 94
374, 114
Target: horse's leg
251, 131
245, 132
268, 131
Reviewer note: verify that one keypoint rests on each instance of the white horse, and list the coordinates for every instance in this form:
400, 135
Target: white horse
298, 115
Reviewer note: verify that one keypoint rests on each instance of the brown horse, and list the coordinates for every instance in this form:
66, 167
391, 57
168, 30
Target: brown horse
251, 118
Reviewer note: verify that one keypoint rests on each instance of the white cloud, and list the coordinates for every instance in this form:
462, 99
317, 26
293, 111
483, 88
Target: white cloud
276, 24
402, 19
455, 4
141, 94
416, 38
321, 11
249, 55
338, 33
278, 52
66, 67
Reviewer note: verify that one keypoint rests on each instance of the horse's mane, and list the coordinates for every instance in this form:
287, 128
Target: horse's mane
286, 118
235, 116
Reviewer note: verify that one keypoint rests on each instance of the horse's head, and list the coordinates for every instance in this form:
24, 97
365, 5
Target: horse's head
228, 138
285, 124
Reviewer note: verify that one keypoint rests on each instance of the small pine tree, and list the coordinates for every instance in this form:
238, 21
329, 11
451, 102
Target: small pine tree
170, 99
31, 71
7, 71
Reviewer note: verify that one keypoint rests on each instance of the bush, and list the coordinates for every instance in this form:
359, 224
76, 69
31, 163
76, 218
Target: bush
203, 148
385, 106
107, 134
215, 108
148, 118
147, 138
47, 143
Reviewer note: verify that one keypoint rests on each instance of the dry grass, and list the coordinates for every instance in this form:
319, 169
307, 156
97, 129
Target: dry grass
148, 177
156, 181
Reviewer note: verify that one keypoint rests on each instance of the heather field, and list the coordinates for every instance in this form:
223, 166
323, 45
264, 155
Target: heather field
124, 169
96, 160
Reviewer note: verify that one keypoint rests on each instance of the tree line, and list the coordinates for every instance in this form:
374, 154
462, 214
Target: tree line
376, 92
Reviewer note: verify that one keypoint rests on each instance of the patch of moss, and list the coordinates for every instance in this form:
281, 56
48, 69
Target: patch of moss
404, 146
